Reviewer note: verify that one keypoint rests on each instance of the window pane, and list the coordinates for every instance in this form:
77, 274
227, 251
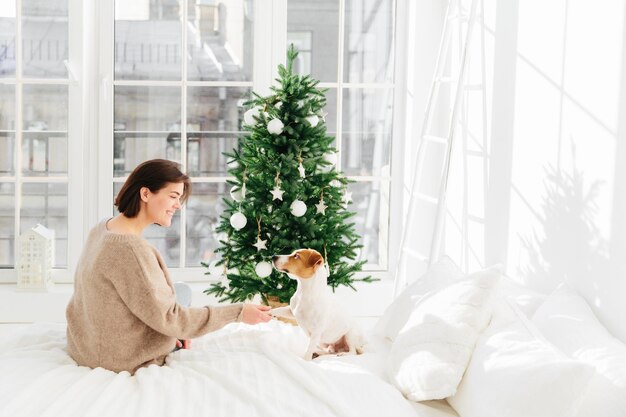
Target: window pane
141, 109
44, 38
313, 27
165, 239
214, 115
203, 214
7, 39
368, 45
7, 142
44, 154
215, 109
366, 139
7, 104
302, 41
47, 204
370, 201
205, 153
38, 114
147, 40
131, 149
220, 40
147, 125
7, 224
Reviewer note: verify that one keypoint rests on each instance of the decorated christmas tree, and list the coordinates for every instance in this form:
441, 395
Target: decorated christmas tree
286, 195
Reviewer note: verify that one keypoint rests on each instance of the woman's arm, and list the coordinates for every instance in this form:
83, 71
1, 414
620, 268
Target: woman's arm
140, 280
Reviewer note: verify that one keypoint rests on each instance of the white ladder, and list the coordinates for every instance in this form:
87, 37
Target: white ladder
423, 229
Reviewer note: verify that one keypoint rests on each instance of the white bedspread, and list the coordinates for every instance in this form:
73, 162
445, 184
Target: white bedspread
240, 370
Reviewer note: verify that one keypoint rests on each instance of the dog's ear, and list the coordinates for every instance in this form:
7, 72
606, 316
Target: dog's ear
316, 260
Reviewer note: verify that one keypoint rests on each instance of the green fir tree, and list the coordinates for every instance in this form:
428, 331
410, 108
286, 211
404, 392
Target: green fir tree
287, 192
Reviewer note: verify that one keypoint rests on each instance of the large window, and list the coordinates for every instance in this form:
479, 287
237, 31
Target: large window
34, 124
190, 109
167, 79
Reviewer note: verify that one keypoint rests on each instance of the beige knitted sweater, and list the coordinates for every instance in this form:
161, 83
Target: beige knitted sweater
123, 314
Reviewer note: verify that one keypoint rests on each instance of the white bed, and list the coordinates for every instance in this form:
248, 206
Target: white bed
487, 346
240, 370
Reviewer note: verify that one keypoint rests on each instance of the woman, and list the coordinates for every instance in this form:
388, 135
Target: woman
123, 314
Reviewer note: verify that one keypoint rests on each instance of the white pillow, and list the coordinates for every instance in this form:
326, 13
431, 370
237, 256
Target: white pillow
395, 316
568, 322
433, 348
515, 372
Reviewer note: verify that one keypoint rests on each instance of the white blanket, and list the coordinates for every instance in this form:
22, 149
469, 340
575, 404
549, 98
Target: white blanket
240, 370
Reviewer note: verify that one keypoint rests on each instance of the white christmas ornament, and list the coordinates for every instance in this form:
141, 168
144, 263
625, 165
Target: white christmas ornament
278, 105
238, 220
323, 115
277, 193
260, 244
232, 164
275, 127
263, 269
301, 170
321, 207
249, 116
236, 194
298, 208
313, 120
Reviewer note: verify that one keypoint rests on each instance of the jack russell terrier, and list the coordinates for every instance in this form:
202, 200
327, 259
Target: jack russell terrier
329, 328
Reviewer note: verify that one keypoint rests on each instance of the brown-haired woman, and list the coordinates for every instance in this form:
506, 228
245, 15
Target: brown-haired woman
123, 314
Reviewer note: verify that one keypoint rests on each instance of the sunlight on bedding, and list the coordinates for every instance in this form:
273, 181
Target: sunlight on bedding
240, 370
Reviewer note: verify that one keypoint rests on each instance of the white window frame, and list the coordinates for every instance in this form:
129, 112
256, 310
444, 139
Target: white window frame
74, 177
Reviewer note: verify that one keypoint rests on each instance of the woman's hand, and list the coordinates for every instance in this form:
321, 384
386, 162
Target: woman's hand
253, 314
183, 343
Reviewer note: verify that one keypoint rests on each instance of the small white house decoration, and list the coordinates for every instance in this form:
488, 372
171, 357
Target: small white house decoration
36, 259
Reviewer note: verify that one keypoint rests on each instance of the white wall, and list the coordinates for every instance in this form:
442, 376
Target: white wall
538, 178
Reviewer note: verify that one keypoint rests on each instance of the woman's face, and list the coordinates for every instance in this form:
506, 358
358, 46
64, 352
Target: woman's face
161, 206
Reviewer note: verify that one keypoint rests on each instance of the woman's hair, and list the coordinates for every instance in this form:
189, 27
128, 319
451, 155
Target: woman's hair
154, 174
